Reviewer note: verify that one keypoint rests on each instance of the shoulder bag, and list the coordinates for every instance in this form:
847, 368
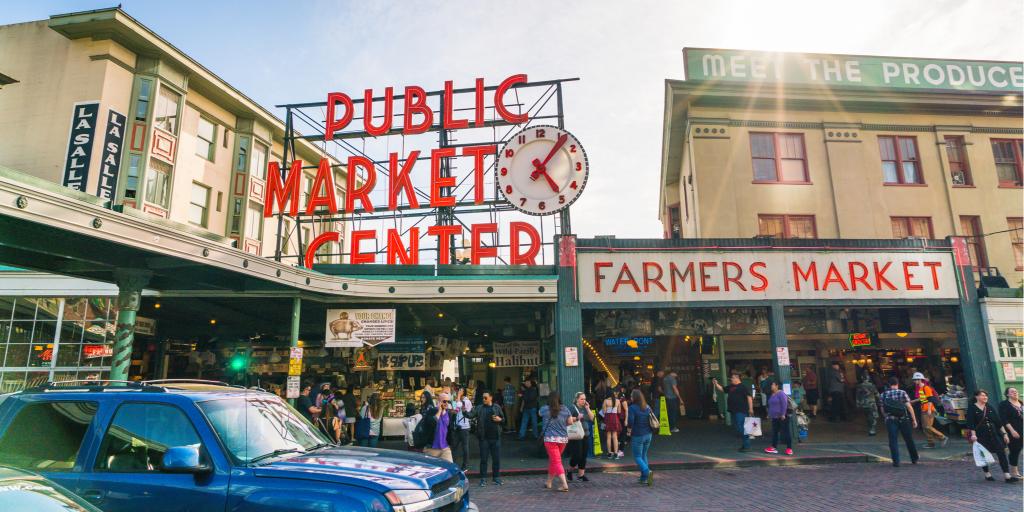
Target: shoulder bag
652, 420
575, 431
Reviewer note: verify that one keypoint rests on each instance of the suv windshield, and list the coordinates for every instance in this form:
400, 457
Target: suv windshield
251, 427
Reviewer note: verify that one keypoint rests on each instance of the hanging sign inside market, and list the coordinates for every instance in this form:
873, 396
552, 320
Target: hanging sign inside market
516, 354
355, 328
393, 361
540, 170
864, 71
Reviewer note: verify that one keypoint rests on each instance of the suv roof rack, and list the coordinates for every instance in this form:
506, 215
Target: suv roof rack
159, 382
94, 385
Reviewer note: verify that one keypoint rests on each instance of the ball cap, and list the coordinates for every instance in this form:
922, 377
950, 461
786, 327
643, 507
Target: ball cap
445, 397
918, 376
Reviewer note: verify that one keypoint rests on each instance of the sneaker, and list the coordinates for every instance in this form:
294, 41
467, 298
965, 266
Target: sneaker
483, 483
771, 449
568, 476
642, 481
1012, 479
497, 481
871, 433
789, 451
583, 478
650, 478
675, 430
945, 441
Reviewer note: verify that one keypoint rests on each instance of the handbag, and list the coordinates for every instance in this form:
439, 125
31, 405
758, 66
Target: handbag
652, 420
575, 432
752, 427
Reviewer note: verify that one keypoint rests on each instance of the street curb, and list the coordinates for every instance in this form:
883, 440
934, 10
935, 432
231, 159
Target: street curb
711, 464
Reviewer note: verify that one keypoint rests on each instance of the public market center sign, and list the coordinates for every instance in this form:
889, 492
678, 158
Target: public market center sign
704, 64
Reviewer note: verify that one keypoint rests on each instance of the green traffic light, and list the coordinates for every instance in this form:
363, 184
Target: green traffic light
237, 363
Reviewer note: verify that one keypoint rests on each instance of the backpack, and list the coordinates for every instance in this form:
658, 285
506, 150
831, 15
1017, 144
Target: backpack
423, 434
894, 408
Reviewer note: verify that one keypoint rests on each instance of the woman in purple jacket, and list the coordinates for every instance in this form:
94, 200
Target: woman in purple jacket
778, 412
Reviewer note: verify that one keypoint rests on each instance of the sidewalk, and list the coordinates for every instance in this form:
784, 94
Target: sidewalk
703, 444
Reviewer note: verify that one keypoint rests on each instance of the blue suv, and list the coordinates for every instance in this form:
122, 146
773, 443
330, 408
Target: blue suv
177, 446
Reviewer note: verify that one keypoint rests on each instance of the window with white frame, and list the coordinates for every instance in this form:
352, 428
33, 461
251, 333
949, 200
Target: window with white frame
158, 182
254, 222
206, 139
199, 205
1011, 342
166, 111
259, 160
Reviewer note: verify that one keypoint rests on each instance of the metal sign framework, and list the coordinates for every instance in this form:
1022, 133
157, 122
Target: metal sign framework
543, 103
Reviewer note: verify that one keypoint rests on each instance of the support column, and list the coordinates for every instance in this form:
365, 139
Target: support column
979, 371
777, 330
568, 320
129, 295
293, 336
723, 379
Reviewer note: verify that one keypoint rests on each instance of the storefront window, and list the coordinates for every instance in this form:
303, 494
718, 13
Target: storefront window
1011, 342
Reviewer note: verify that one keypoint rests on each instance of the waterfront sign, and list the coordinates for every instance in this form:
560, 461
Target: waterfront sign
355, 328
80, 139
516, 353
865, 71
700, 276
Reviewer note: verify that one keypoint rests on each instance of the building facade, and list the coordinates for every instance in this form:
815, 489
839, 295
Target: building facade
187, 146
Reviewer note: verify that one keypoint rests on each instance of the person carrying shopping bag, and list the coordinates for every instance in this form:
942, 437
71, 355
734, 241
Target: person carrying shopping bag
988, 430
740, 405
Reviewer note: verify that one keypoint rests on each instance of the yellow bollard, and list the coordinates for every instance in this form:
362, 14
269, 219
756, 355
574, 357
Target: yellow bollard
663, 428
597, 436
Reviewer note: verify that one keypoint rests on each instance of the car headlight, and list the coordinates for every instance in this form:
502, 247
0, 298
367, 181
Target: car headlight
406, 496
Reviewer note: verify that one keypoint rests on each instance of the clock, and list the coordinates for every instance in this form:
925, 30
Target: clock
542, 170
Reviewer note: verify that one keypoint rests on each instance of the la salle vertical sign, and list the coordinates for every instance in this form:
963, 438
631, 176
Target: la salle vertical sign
110, 164
80, 139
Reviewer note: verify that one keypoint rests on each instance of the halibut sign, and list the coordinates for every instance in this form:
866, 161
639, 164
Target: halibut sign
704, 64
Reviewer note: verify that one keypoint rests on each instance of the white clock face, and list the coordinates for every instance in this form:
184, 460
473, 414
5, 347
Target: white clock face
542, 170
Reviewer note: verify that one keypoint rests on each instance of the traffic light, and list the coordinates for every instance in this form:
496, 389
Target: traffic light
239, 362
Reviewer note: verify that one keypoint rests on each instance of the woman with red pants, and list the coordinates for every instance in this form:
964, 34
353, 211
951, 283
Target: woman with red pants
556, 420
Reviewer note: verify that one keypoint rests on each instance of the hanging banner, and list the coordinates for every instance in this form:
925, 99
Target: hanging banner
355, 328
293, 390
516, 353
110, 164
401, 361
80, 139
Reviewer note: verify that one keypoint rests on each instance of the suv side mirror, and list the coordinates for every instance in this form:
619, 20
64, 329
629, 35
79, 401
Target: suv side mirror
184, 459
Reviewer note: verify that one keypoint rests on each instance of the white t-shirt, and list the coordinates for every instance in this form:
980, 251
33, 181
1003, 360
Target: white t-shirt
460, 412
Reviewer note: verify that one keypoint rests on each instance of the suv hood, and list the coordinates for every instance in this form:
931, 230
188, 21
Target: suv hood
373, 468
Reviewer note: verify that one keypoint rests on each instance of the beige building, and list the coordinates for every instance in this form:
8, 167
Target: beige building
754, 146
193, 148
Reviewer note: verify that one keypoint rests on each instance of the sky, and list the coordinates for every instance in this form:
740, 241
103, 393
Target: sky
622, 51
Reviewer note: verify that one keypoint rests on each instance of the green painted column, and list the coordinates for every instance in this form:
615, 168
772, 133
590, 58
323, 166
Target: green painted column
293, 336
568, 320
777, 330
970, 330
723, 379
129, 295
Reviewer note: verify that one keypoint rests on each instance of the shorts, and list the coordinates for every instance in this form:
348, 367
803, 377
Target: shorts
812, 397
349, 420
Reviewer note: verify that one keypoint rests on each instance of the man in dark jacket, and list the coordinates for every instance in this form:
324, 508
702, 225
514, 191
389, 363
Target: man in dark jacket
528, 406
489, 417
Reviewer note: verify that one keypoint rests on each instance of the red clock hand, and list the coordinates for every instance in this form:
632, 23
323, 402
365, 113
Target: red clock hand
558, 145
551, 182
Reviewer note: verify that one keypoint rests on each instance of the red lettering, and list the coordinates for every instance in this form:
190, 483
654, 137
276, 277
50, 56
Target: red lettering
625, 277
324, 181
934, 266
478, 153
907, 276
356, 257
437, 181
330, 236
833, 276
656, 279
861, 278
385, 127
477, 251
479, 121
704, 276
811, 273
448, 115
530, 256
286, 194
332, 125
736, 279
396, 249
673, 270
880, 276
362, 193
499, 100
416, 102
759, 276
398, 180
444, 235
598, 276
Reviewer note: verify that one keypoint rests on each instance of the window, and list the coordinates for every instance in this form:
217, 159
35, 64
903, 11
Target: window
778, 157
787, 226
903, 227
970, 226
259, 161
1007, 153
958, 166
254, 222
236, 215
65, 423
242, 162
166, 112
206, 139
1016, 227
142, 101
675, 224
131, 185
307, 188
158, 181
1011, 343
140, 434
900, 164
199, 204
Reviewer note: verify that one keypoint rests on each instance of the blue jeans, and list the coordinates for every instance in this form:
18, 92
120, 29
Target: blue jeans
529, 419
641, 445
896, 428
738, 419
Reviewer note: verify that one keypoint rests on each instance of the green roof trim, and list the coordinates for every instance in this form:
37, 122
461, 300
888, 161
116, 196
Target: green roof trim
8, 174
443, 272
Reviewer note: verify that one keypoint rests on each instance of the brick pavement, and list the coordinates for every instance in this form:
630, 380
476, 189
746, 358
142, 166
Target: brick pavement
930, 486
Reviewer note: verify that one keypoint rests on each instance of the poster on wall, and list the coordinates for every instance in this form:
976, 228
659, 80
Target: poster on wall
80, 139
516, 353
354, 328
110, 163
